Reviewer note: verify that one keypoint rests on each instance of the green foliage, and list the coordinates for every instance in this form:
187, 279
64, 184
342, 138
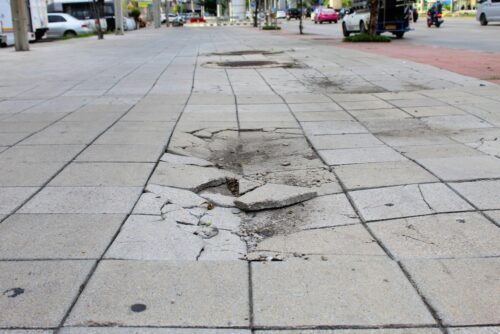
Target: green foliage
88, 34
271, 27
367, 38
135, 13
346, 3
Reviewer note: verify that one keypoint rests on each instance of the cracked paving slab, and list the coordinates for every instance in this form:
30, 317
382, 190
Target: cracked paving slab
407, 200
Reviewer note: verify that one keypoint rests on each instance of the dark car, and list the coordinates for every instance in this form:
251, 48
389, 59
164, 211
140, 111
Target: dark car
292, 13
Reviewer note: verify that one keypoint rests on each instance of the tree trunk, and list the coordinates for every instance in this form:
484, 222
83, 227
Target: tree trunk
372, 25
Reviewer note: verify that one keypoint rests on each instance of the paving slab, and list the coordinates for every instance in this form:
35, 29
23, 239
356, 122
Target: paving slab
439, 236
318, 116
351, 240
455, 122
340, 292
7, 139
103, 174
148, 330
438, 151
175, 159
333, 128
192, 178
83, 200
462, 291
495, 215
155, 197
359, 155
330, 142
152, 238
41, 153
121, 153
222, 218
27, 174
12, 197
176, 294
373, 104
324, 211
483, 194
56, 236
408, 200
39, 293
392, 113
463, 168
433, 111
380, 174
273, 196
358, 331
474, 330
25, 331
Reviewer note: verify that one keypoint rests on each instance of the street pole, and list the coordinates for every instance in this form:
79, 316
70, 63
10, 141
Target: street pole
156, 14
300, 19
167, 12
20, 21
118, 17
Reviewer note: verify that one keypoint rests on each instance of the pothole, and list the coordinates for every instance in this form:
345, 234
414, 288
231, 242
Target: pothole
252, 64
246, 52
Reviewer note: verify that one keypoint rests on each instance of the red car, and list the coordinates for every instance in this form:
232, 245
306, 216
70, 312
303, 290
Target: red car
326, 15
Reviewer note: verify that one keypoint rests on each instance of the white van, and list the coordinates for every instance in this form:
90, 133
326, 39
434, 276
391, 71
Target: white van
38, 21
488, 11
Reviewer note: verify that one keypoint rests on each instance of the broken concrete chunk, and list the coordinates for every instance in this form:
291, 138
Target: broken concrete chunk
246, 185
175, 159
207, 232
170, 207
184, 198
273, 196
181, 217
203, 134
225, 246
197, 212
193, 178
219, 200
222, 218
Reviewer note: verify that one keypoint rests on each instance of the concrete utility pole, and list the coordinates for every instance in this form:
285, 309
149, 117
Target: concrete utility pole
118, 17
157, 13
167, 12
20, 21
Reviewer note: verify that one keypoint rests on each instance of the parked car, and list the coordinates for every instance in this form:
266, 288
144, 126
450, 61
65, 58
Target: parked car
65, 25
281, 14
326, 15
129, 24
293, 13
488, 11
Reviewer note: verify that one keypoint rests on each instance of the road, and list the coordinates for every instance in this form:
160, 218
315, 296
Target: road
457, 33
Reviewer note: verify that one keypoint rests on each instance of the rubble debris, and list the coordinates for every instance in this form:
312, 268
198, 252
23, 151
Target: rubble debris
219, 199
207, 232
181, 216
224, 246
246, 185
273, 196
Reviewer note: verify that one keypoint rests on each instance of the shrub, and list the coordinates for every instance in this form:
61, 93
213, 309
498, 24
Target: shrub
271, 28
367, 38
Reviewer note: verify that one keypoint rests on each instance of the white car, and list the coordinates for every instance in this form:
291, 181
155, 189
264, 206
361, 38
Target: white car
129, 24
356, 21
65, 25
488, 11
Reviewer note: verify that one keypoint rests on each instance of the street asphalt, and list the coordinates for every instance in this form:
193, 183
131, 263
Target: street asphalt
456, 33
230, 180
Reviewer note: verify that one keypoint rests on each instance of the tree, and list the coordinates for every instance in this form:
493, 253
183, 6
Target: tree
372, 26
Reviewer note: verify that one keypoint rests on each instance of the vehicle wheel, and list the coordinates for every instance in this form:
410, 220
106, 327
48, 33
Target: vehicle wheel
69, 34
320, 22
483, 20
362, 28
315, 22
399, 34
336, 22
344, 30
438, 24
429, 23
330, 22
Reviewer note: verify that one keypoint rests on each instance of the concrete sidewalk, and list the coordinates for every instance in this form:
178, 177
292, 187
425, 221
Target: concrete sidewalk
389, 224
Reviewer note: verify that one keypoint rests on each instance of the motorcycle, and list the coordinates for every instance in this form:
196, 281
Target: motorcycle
434, 18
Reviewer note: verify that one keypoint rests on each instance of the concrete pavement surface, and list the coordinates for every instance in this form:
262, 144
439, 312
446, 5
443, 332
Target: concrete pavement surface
229, 180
